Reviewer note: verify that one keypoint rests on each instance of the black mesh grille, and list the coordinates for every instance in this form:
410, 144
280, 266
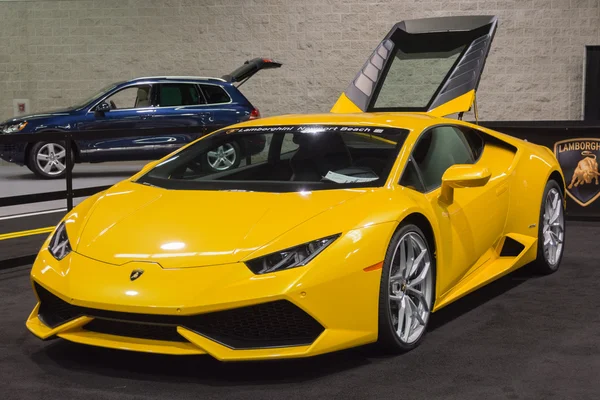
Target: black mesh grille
54, 311
135, 330
274, 324
7, 148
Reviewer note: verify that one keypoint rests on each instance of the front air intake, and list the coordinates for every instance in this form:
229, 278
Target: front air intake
274, 324
166, 333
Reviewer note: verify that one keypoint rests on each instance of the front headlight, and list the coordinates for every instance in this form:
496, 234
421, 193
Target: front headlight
293, 257
14, 128
59, 244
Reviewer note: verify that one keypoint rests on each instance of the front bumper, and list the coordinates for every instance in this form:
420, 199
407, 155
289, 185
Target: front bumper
224, 310
14, 153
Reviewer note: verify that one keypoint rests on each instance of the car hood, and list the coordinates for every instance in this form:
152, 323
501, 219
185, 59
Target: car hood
177, 228
40, 115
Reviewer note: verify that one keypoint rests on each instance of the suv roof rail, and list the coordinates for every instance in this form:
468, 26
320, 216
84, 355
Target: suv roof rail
210, 78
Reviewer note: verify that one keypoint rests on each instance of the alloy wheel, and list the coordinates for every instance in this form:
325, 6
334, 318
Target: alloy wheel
223, 158
410, 288
553, 227
51, 159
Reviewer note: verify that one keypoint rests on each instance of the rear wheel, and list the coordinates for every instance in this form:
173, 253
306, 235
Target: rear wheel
48, 159
551, 230
223, 158
406, 291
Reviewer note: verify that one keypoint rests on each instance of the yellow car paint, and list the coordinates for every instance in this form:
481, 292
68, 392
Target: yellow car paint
337, 288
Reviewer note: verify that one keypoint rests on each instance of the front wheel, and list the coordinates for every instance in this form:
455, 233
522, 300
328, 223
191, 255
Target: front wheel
406, 290
551, 230
48, 160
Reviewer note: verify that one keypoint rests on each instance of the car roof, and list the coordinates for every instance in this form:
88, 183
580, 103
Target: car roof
165, 78
411, 121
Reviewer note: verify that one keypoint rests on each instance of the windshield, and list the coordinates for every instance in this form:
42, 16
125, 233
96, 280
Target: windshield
99, 93
283, 159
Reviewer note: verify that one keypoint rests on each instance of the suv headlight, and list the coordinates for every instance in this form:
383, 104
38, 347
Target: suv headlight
59, 244
15, 127
293, 257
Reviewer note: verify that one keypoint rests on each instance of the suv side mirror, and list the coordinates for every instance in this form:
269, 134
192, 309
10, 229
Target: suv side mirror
102, 107
462, 176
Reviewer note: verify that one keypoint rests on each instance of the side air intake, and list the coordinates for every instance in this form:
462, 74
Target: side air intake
511, 248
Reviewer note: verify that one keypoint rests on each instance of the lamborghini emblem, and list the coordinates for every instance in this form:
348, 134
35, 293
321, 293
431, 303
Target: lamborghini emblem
578, 159
136, 273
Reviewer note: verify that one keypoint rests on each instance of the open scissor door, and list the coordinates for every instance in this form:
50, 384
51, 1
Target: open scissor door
428, 65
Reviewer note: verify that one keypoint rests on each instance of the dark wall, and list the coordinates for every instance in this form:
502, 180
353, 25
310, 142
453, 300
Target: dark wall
571, 141
591, 109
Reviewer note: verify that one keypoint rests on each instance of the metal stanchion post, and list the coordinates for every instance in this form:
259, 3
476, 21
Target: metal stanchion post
69, 175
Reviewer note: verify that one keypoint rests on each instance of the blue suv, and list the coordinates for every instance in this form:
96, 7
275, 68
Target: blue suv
142, 103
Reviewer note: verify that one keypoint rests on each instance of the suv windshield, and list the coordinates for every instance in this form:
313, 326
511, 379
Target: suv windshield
283, 159
99, 93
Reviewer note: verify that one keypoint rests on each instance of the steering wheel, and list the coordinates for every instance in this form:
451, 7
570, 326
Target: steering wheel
113, 106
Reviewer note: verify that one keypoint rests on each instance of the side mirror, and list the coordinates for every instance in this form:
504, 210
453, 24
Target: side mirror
462, 176
102, 107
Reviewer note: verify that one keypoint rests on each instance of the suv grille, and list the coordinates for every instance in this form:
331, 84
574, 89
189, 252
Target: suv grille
273, 324
7, 148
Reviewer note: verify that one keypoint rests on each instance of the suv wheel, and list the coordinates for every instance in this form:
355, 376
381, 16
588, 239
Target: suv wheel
224, 157
48, 160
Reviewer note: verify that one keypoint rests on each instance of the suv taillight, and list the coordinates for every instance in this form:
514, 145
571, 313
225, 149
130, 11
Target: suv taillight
254, 114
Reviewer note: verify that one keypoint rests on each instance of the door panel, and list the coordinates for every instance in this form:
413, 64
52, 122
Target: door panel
223, 110
178, 105
472, 224
475, 220
131, 109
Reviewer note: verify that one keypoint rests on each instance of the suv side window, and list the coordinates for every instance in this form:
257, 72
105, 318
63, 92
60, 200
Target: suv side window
178, 94
215, 94
130, 97
437, 150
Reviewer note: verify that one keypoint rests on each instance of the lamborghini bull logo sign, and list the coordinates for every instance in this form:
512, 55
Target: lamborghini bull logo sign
578, 159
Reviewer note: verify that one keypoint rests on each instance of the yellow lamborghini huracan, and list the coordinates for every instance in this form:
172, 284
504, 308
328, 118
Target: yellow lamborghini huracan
349, 228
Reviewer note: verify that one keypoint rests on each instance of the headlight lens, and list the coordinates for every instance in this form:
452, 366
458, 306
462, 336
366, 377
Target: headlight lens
293, 257
14, 128
59, 244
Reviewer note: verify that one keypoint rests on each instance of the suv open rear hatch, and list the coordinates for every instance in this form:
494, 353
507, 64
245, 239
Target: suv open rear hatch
249, 68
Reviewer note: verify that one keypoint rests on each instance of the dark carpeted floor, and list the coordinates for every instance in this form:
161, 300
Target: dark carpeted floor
523, 337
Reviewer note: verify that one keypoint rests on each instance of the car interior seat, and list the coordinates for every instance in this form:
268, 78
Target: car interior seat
318, 154
142, 99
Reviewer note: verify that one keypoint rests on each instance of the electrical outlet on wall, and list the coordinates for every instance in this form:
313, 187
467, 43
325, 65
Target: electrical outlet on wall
20, 107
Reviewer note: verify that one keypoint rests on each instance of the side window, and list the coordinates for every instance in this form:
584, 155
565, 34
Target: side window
437, 150
130, 97
410, 178
178, 94
476, 142
215, 94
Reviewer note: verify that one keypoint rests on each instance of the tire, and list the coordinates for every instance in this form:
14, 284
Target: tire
550, 246
223, 158
389, 341
48, 160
